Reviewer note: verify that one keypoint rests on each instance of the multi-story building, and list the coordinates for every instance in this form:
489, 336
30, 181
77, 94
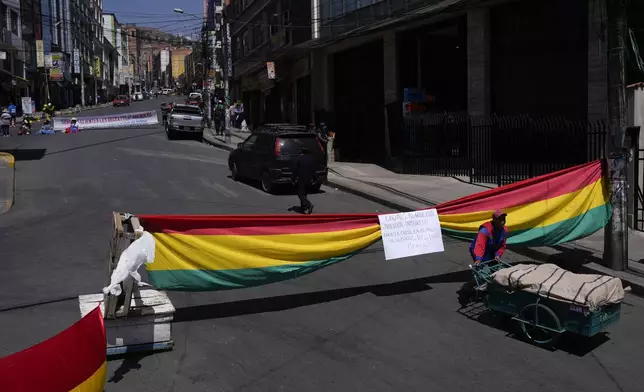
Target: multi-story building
178, 56
12, 53
193, 65
134, 50
31, 33
265, 37
110, 65
58, 51
362, 55
165, 70
118, 38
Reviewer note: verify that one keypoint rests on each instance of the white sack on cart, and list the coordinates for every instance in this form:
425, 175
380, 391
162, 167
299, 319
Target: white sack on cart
550, 281
140, 252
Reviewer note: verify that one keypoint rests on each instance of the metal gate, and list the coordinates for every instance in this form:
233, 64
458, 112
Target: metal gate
639, 190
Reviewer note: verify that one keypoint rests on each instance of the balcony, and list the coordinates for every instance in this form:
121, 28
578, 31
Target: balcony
10, 42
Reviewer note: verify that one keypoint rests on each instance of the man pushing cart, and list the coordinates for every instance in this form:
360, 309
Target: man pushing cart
546, 301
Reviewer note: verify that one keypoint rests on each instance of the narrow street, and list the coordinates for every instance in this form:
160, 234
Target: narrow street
364, 325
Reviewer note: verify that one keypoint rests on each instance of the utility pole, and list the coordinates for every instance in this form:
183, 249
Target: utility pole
205, 49
228, 63
82, 80
616, 231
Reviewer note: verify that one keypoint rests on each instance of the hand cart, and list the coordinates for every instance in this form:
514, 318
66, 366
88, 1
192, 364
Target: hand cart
542, 320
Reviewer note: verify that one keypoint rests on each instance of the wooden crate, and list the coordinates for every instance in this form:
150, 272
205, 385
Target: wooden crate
147, 327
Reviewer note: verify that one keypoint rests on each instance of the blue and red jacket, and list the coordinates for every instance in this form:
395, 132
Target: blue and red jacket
484, 247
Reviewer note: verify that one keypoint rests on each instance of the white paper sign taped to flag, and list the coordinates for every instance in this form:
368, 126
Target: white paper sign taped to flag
408, 234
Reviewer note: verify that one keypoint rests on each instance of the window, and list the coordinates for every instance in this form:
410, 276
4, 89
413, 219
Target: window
286, 18
14, 22
257, 36
274, 25
186, 110
248, 143
3, 15
237, 48
245, 48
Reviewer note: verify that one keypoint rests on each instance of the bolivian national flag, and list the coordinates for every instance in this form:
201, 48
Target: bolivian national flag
543, 211
217, 252
74, 360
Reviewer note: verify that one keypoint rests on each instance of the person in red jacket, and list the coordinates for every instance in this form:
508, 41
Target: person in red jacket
489, 243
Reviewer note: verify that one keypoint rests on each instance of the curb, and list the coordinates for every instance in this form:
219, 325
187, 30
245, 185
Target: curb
635, 281
7, 181
216, 143
367, 196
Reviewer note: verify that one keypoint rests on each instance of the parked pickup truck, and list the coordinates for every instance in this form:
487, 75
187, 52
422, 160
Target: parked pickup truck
185, 119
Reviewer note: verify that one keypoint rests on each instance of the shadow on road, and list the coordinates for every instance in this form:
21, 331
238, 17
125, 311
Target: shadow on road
291, 301
26, 154
570, 343
103, 143
130, 362
279, 190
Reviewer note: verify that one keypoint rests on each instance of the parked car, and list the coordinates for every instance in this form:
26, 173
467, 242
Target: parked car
121, 100
184, 119
267, 155
194, 100
138, 96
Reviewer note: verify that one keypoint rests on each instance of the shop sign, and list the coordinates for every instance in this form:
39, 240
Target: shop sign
77, 66
270, 70
40, 54
56, 71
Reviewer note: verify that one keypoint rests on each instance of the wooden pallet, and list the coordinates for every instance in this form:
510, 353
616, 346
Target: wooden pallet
136, 320
148, 326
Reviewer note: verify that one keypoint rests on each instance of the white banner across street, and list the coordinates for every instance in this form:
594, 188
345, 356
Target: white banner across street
127, 120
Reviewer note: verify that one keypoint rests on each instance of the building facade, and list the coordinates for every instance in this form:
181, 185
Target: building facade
348, 62
270, 73
13, 82
178, 57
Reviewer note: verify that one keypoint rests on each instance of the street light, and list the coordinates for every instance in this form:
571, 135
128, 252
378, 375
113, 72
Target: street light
181, 11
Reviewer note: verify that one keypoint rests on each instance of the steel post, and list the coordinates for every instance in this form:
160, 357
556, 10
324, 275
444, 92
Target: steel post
616, 239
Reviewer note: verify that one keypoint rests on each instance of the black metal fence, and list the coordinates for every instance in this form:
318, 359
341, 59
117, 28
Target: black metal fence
639, 192
497, 150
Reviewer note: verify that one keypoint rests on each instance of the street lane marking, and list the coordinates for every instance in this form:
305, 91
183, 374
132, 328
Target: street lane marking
177, 186
251, 188
144, 189
219, 188
182, 142
171, 155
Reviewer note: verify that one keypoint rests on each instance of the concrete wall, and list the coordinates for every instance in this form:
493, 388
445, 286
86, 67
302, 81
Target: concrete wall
478, 61
597, 62
322, 81
636, 118
7, 163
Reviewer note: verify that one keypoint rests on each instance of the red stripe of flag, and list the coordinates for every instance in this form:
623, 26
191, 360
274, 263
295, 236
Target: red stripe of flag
255, 224
60, 363
527, 191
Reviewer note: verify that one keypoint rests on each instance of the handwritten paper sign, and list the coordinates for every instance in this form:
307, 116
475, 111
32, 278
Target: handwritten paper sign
411, 234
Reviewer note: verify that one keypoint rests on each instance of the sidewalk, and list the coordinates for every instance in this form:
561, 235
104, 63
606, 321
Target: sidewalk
70, 111
411, 192
236, 136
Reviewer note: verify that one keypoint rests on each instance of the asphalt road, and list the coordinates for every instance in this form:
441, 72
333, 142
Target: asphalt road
364, 325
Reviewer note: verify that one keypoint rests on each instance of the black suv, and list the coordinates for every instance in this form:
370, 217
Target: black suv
267, 155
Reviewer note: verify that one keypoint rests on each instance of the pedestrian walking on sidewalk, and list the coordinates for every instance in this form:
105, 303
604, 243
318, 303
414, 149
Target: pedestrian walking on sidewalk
12, 112
5, 122
303, 176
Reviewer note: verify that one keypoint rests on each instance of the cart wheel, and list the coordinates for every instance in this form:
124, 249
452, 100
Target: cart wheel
537, 316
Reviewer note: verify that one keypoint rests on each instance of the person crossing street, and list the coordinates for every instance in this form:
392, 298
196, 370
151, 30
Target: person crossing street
303, 176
